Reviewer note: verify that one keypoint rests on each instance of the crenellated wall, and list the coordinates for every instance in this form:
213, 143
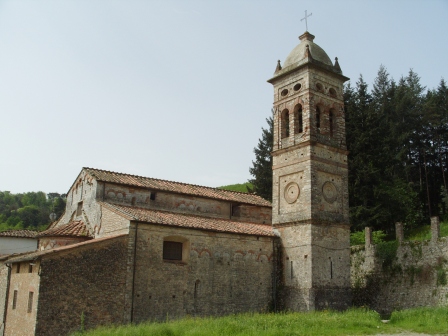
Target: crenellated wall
400, 274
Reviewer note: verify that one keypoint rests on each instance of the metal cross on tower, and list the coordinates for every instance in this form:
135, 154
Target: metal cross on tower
305, 18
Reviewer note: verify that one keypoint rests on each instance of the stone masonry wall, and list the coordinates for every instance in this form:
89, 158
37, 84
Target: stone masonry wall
3, 292
112, 224
89, 281
22, 299
82, 195
219, 274
387, 277
184, 204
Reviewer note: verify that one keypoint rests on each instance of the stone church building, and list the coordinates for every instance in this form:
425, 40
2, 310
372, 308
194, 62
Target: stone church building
130, 248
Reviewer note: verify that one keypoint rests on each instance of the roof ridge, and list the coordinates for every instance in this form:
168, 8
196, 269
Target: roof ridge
183, 183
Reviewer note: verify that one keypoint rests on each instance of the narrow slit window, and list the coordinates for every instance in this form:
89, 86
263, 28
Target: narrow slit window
318, 119
18, 268
196, 288
79, 209
292, 270
331, 269
30, 302
30, 268
14, 299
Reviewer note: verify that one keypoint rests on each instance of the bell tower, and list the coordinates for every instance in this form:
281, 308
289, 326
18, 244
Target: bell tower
310, 179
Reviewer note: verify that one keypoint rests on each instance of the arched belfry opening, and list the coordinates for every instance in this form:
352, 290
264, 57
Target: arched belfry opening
298, 119
310, 179
285, 123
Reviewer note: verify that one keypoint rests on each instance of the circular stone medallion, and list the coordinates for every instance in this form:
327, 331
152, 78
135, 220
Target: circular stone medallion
292, 192
329, 192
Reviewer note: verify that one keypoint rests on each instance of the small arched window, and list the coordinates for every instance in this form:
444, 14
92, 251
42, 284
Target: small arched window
298, 119
331, 122
318, 119
332, 93
285, 124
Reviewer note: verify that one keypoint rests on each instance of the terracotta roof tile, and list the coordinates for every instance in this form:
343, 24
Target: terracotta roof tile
72, 229
177, 187
37, 254
19, 233
190, 221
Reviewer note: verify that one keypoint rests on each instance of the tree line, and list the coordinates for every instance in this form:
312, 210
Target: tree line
29, 210
397, 138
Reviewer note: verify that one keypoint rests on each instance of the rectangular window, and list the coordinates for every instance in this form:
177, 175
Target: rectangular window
152, 196
30, 268
172, 250
79, 209
18, 268
30, 302
14, 300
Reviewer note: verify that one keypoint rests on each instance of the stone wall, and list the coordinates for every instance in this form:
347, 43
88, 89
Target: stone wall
391, 276
3, 293
89, 281
112, 224
220, 274
22, 299
81, 203
185, 204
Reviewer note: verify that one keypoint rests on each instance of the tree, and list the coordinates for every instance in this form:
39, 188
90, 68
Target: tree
262, 166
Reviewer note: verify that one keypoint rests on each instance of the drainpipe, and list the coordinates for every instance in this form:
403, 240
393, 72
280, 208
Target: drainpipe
6, 300
133, 273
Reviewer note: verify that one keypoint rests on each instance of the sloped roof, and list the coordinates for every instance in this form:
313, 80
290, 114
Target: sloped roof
72, 229
38, 254
177, 187
19, 233
190, 221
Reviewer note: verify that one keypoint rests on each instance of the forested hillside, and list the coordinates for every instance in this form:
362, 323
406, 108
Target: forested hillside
397, 137
30, 210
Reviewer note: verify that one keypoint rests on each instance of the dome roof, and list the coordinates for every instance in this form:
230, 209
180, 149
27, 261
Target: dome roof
298, 53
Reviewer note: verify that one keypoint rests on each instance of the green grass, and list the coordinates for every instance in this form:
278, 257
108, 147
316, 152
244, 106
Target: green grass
241, 187
424, 320
424, 232
351, 322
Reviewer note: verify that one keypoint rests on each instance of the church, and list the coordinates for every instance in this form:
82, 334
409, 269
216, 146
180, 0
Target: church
130, 248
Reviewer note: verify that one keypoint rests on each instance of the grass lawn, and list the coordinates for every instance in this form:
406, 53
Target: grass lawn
351, 322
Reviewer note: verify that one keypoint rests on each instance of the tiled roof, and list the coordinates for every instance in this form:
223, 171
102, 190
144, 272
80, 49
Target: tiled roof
19, 233
177, 187
190, 221
37, 254
72, 229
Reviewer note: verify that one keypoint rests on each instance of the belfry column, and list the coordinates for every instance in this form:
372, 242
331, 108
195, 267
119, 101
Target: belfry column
310, 179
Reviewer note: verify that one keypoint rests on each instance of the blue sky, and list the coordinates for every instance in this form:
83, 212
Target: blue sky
177, 89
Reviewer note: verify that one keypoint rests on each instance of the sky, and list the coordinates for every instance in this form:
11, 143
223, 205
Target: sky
177, 90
